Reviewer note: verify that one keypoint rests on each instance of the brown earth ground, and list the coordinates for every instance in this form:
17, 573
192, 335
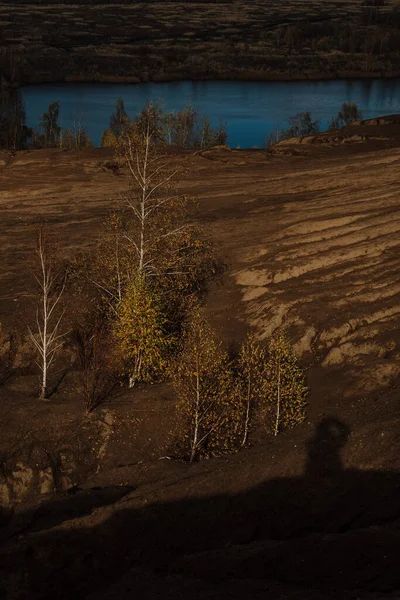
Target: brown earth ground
311, 236
95, 40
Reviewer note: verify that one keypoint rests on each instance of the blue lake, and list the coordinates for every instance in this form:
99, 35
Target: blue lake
251, 110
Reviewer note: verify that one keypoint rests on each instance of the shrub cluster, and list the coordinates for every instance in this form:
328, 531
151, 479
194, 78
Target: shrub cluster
218, 399
148, 265
302, 124
184, 129
349, 113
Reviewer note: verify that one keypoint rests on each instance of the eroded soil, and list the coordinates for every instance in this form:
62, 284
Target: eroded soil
310, 234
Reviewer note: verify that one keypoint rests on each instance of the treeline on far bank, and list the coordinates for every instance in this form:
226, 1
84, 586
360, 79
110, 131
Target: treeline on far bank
185, 128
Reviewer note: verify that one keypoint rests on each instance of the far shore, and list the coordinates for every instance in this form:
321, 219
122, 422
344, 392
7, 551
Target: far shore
245, 76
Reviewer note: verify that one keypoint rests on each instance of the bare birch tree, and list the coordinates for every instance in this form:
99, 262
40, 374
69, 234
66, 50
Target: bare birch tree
156, 225
110, 268
152, 239
46, 335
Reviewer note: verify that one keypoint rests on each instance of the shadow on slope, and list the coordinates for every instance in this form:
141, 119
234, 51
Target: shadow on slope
331, 529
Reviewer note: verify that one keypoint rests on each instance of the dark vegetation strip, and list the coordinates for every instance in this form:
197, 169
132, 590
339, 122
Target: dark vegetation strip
176, 40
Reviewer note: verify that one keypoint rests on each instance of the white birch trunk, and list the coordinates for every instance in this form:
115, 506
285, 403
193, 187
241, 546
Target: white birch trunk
196, 416
47, 340
43, 392
278, 403
247, 419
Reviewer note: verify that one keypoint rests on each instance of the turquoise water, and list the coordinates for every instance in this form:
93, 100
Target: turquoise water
251, 110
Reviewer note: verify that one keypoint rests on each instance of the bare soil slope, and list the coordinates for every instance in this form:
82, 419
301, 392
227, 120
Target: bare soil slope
311, 237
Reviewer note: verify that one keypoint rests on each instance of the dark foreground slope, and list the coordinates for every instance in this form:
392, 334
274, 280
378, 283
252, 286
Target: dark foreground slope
224, 529
311, 238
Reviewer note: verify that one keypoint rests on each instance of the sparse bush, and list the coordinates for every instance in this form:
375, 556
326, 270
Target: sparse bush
108, 139
348, 114
108, 269
274, 137
8, 355
208, 137
184, 134
301, 125
221, 135
206, 134
150, 122
97, 377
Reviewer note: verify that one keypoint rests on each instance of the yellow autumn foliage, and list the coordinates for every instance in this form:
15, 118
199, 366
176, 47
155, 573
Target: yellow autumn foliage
140, 331
285, 390
206, 415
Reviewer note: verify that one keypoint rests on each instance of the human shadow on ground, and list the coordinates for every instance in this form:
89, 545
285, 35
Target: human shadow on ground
330, 529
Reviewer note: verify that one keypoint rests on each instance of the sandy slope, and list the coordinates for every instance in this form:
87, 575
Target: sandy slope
311, 238
310, 234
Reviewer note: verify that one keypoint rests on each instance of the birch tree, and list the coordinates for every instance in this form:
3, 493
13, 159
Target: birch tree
149, 253
111, 267
155, 226
141, 333
185, 135
201, 384
251, 381
149, 257
285, 390
46, 335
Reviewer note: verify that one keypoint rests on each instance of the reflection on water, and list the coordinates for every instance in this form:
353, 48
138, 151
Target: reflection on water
251, 109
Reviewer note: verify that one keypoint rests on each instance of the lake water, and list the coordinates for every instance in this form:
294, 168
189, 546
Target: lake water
251, 110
